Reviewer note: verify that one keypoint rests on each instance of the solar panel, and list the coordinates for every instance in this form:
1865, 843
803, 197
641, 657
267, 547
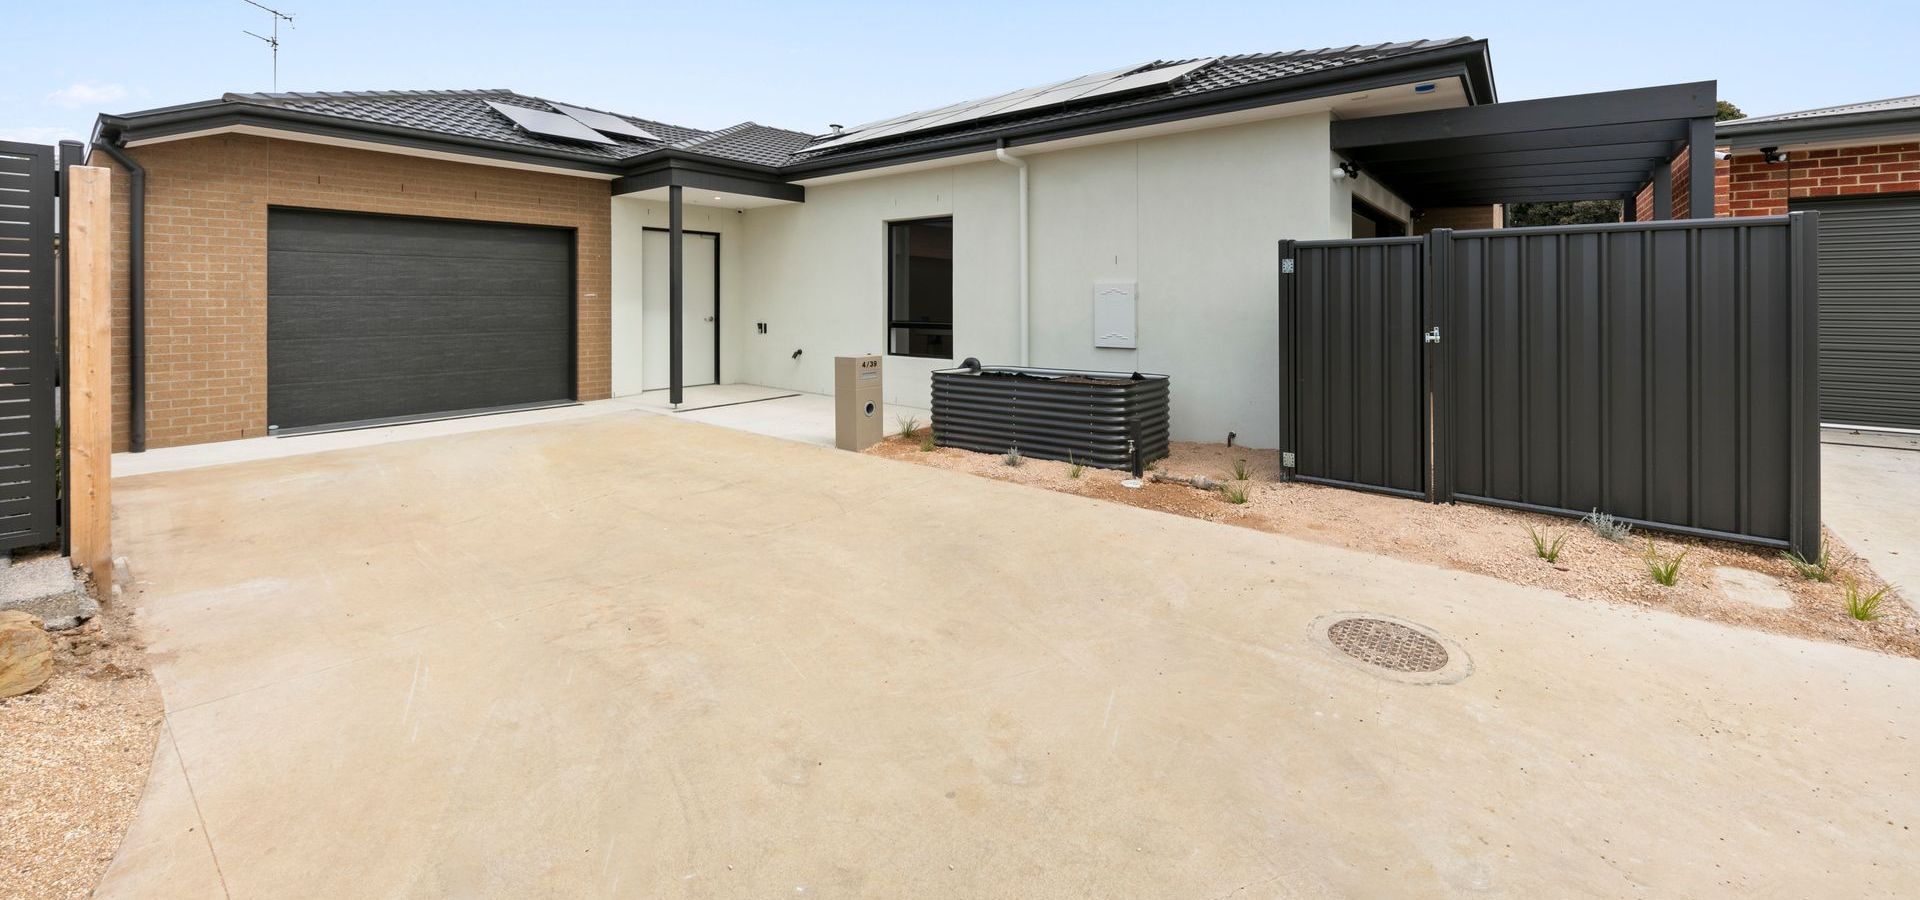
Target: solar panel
1147, 79
1100, 84
549, 124
604, 122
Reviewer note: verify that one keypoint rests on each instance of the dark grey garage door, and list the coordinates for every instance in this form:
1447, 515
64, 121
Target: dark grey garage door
1869, 311
379, 317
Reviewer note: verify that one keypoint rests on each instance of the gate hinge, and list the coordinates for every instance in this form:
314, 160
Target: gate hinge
1286, 266
1433, 337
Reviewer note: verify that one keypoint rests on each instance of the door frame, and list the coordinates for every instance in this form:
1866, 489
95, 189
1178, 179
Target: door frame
717, 293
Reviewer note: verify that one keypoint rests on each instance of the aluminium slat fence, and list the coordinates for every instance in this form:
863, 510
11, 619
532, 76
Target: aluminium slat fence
1662, 372
28, 490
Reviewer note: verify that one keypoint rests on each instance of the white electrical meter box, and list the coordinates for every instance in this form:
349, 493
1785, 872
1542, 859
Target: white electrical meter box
1115, 315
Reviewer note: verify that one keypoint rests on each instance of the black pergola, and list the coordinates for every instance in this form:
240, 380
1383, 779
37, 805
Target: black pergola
1604, 146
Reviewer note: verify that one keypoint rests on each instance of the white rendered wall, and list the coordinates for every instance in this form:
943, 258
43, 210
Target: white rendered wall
630, 218
1194, 219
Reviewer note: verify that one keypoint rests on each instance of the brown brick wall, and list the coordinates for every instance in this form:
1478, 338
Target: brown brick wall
1458, 218
206, 319
1754, 187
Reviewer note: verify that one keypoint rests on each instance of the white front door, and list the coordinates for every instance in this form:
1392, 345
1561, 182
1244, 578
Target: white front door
699, 309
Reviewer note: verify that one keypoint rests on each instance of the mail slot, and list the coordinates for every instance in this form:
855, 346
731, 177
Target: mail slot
857, 409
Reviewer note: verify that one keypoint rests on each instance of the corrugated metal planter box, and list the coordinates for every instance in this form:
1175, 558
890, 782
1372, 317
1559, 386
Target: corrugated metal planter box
1052, 413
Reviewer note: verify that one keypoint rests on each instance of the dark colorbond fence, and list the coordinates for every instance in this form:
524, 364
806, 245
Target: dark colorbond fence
1664, 372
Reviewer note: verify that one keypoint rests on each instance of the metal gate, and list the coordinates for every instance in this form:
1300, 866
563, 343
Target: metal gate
28, 371
1356, 410
1663, 372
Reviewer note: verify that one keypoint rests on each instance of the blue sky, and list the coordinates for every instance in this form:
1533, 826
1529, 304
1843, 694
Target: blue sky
802, 65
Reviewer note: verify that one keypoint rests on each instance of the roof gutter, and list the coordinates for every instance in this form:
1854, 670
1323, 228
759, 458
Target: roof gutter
136, 294
1861, 127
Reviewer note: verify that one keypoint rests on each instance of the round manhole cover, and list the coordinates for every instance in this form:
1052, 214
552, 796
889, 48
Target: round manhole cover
1392, 647
1389, 645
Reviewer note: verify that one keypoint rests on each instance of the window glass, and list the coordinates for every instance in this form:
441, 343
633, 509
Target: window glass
920, 288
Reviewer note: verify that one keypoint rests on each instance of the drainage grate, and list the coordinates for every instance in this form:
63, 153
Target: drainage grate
1389, 645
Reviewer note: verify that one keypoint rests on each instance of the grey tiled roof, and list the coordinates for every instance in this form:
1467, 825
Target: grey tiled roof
748, 142
1225, 72
461, 113
465, 114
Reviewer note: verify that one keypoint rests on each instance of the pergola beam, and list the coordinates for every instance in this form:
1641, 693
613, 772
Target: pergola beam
1637, 106
1648, 152
1669, 134
1545, 196
1469, 180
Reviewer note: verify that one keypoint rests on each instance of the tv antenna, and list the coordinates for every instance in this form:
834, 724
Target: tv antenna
272, 40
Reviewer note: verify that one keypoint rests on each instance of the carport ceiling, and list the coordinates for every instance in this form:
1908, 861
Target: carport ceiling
1581, 147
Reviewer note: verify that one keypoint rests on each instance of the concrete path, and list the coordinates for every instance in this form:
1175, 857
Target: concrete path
634, 656
1870, 497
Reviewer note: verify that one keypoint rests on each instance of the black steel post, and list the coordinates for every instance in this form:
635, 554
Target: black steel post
72, 153
1663, 191
675, 290
1803, 380
1700, 171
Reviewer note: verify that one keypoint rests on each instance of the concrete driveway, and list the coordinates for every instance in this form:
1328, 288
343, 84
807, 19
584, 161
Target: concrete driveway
631, 656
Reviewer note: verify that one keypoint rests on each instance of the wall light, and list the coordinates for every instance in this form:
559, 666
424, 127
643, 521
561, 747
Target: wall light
1345, 170
1773, 154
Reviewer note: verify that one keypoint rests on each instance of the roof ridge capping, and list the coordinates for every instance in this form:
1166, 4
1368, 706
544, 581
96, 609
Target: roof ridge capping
274, 96
1388, 46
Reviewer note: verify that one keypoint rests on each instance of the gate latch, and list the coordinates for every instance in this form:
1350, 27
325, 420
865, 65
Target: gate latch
1433, 337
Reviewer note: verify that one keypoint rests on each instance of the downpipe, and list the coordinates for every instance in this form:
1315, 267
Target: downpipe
1000, 153
136, 294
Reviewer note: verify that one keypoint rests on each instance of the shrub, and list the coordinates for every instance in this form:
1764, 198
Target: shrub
1240, 470
1865, 608
927, 444
1606, 526
1235, 493
1820, 568
1013, 457
908, 425
1547, 550
1074, 468
1664, 569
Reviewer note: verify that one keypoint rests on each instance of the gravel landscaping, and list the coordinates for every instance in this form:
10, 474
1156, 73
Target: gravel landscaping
74, 755
1479, 539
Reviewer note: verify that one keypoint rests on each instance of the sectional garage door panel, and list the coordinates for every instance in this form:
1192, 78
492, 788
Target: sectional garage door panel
1870, 312
374, 317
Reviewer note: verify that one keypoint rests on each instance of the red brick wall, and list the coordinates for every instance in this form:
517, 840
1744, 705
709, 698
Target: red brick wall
1752, 186
206, 312
1682, 169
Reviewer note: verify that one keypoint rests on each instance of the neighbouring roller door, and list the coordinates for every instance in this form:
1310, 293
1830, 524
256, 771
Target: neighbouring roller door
386, 317
1869, 311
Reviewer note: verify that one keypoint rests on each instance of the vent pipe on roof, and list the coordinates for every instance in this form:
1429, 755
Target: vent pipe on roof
837, 130
1000, 153
136, 294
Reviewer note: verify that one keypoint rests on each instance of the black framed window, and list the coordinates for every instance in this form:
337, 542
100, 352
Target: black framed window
920, 288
